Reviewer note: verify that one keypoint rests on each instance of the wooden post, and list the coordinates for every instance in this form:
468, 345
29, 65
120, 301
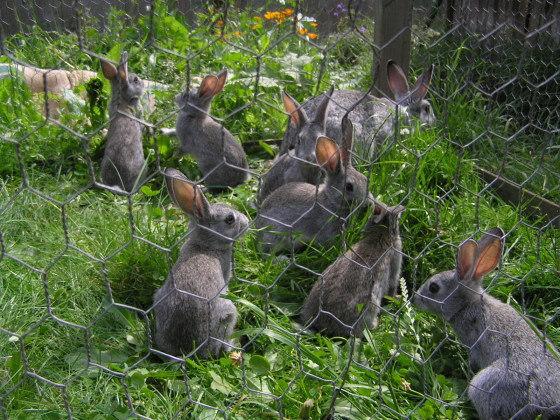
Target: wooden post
392, 35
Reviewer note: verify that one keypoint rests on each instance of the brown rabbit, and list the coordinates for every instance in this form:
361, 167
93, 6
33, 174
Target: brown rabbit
310, 212
299, 164
347, 297
373, 118
219, 156
518, 376
123, 165
190, 314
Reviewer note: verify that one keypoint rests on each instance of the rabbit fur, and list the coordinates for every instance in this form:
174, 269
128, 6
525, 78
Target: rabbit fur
219, 156
190, 314
359, 278
518, 375
300, 163
123, 165
373, 118
310, 212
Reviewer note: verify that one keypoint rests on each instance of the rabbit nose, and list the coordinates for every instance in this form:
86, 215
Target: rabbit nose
311, 158
417, 299
308, 157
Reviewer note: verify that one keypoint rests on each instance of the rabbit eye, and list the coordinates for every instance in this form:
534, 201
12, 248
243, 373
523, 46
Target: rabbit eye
349, 187
426, 109
434, 288
229, 219
136, 79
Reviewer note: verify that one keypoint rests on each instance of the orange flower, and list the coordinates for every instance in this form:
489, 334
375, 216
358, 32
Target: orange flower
278, 17
256, 25
237, 33
270, 15
303, 31
220, 23
314, 24
312, 36
257, 18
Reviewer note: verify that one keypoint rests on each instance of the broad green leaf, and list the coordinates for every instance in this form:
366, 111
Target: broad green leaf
259, 365
147, 191
426, 411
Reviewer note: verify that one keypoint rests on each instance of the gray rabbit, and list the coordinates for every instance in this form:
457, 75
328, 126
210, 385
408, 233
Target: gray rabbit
219, 156
298, 212
518, 375
299, 164
347, 297
123, 165
373, 118
190, 314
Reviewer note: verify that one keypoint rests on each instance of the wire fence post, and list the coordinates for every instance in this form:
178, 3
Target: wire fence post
392, 37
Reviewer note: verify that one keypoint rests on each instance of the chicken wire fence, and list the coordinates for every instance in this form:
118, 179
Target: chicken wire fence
81, 262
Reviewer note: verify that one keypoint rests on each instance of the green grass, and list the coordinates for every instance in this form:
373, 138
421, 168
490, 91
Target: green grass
79, 266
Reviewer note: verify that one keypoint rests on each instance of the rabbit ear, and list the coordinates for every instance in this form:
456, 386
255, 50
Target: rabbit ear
488, 252
292, 107
380, 210
475, 260
184, 194
123, 67
320, 116
421, 86
208, 87
328, 154
397, 80
465, 258
399, 208
109, 70
379, 213
222, 77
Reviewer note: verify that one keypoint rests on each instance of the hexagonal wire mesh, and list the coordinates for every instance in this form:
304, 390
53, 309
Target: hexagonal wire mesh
81, 260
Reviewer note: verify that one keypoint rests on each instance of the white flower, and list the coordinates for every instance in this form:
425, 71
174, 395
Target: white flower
305, 18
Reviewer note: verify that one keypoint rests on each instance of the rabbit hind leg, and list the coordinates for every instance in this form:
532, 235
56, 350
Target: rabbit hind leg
226, 316
498, 393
